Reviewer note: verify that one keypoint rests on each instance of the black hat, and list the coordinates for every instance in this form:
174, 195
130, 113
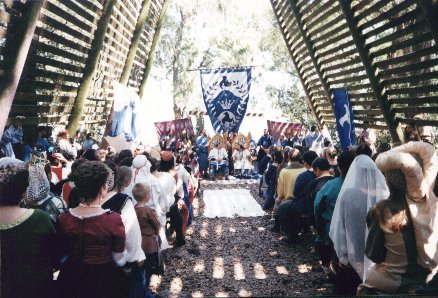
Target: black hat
321, 163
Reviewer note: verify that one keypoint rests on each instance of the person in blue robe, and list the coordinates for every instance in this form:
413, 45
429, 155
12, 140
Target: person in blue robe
202, 144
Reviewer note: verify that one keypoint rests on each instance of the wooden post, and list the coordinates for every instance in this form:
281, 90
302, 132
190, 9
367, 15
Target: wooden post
311, 50
16, 50
151, 55
300, 76
372, 73
429, 9
135, 41
91, 65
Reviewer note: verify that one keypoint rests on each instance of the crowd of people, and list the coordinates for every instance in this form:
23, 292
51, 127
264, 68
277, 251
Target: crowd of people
99, 217
103, 218
374, 212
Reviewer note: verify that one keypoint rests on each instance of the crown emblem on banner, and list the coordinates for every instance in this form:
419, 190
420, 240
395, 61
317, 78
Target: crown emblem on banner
226, 104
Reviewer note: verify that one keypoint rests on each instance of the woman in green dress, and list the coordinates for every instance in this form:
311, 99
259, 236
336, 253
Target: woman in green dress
27, 240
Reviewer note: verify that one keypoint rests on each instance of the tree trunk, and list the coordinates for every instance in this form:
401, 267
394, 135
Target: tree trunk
151, 55
91, 65
135, 41
16, 51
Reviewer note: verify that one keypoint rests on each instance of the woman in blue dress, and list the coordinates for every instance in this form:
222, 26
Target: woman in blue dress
202, 144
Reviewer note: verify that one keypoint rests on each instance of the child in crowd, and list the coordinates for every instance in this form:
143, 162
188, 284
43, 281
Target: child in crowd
149, 226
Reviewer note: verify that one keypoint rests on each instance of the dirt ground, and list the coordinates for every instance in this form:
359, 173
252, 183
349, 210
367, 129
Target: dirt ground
239, 257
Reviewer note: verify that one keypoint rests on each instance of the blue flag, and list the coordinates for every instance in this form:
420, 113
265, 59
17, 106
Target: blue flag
226, 96
344, 118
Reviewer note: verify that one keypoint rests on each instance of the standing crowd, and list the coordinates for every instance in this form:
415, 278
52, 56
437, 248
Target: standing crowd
104, 218
101, 220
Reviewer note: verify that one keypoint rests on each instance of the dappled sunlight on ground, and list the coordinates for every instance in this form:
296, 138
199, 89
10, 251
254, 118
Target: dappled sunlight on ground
238, 257
282, 270
239, 274
259, 271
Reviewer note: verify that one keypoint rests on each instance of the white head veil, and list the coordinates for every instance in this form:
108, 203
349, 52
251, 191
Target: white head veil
142, 173
363, 187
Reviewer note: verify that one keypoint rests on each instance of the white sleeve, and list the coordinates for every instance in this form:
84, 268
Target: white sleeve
120, 258
133, 234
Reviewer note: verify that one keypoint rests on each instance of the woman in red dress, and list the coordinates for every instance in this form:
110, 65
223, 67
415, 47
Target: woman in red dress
93, 239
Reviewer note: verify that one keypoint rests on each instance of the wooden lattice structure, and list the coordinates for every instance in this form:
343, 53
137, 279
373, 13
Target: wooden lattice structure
61, 48
384, 52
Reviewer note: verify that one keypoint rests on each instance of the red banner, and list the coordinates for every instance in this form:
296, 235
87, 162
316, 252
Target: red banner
288, 129
177, 125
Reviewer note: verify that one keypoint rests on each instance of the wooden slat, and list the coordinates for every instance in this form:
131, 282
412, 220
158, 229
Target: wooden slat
416, 110
397, 34
393, 23
415, 100
59, 39
414, 79
423, 65
66, 29
420, 38
386, 15
408, 57
413, 90
422, 122
68, 17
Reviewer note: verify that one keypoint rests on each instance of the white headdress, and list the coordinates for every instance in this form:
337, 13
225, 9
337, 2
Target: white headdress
363, 187
422, 202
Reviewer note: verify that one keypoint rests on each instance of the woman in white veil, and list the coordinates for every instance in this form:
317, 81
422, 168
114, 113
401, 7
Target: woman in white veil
142, 173
363, 187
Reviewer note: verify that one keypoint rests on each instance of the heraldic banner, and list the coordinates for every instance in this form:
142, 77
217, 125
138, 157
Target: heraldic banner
344, 118
287, 128
226, 96
177, 125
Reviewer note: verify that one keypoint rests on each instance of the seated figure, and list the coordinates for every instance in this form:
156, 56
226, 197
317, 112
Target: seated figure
242, 162
218, 158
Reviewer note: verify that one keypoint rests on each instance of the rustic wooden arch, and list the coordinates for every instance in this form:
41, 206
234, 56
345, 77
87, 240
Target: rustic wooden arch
385, 52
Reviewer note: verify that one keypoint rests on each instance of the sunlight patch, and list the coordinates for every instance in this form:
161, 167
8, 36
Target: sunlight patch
230, 203
259, 271
282, 270
218, 268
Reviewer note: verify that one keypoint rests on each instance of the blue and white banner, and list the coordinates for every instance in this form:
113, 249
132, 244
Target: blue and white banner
226, 96
344, 118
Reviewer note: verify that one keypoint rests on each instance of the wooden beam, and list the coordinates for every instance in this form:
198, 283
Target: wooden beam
135, 41
91, 65
306, 91
371, 70
311, 50
16, 50
151, 55
429, 8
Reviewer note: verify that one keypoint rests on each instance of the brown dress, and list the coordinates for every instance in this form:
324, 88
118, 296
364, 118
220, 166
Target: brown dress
149, 226
89, 243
